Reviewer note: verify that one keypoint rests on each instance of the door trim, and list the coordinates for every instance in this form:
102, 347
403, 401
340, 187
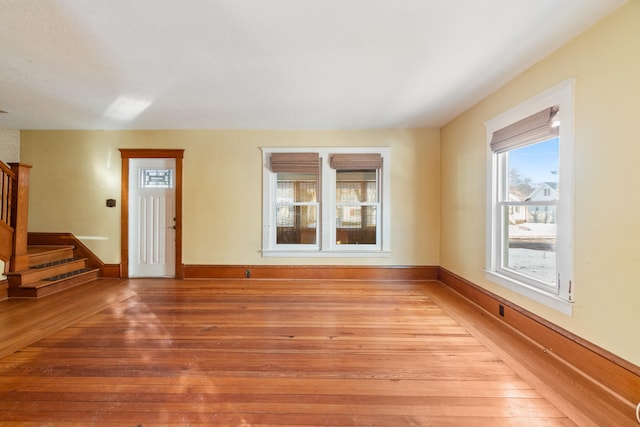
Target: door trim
153, 153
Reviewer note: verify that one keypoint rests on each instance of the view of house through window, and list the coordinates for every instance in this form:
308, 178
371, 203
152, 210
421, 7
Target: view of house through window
530, 210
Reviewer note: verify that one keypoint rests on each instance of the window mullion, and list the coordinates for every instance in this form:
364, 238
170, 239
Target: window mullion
328, 206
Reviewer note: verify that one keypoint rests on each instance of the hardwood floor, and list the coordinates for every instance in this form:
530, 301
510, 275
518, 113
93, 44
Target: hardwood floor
272, 352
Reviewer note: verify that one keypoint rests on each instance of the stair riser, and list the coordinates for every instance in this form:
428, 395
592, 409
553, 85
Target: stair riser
34, 275
46, 257
54, 287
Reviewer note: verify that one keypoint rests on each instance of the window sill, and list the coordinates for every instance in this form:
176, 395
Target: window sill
552, 301
326, 254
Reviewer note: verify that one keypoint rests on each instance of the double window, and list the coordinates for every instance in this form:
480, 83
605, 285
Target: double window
530, 200
326, 201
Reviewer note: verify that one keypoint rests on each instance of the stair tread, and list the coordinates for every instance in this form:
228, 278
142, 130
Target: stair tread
41, 269
69, 274
44, 254
58, 262
55, 279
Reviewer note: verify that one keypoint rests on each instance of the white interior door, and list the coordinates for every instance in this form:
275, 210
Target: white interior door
152, 217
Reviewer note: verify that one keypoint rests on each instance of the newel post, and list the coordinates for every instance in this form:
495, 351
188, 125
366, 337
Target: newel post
20, 217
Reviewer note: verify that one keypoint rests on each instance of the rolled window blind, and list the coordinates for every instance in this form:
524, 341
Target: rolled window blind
365, 161
535, 128
295, 162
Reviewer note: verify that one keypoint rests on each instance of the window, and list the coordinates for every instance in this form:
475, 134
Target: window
357, 207
156, 178
296, 208
530, 200
326, 201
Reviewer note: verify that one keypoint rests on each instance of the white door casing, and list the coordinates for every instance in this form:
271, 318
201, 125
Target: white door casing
152, 217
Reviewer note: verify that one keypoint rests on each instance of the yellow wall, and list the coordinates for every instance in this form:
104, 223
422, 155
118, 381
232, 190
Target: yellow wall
606, 62
74, 172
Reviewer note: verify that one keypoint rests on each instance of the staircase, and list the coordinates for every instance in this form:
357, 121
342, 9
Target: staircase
36, 264
51, 268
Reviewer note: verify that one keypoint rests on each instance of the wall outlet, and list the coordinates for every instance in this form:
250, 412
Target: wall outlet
247, 273
501, 310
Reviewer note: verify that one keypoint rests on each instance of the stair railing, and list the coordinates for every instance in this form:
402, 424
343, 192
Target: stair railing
14, 214
7, 179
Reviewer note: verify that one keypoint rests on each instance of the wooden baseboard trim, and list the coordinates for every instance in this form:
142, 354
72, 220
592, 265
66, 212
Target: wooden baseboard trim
328, 272
110, 271
614, 374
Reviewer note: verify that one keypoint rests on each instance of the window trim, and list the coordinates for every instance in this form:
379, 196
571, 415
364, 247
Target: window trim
326, 246
561, 299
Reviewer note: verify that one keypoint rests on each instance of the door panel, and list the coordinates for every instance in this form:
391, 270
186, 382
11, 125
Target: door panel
152, 217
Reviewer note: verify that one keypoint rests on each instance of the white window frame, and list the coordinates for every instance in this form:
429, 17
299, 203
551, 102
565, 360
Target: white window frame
561, 297
326, 245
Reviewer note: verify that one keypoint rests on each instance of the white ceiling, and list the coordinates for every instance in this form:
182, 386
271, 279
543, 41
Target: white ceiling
269, 64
